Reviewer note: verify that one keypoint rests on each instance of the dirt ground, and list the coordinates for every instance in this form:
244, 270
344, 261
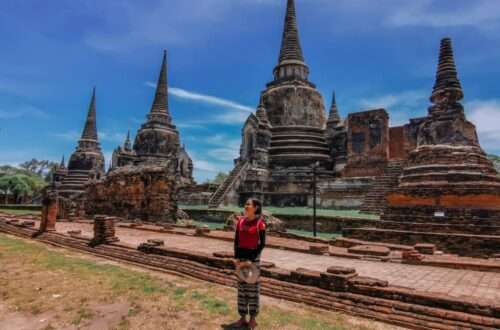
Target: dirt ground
44, 288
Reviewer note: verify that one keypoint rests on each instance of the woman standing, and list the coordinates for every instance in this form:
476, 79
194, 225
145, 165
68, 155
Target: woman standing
249, 241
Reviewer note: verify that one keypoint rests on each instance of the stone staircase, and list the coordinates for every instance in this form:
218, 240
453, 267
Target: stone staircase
74, 182
217, 198
375, 199
299, 145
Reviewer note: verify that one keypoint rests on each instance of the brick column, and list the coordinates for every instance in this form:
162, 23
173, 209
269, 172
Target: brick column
49, 211
104, 230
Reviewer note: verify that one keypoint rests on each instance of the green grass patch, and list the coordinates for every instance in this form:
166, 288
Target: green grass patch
283, 319
300, 211
34, 273
118, 279
211, 304
20, 212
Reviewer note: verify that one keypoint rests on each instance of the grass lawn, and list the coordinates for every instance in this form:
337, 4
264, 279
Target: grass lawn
293, 211
20, 212
47, 288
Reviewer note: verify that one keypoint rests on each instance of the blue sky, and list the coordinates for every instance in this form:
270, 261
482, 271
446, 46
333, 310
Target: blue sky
221, 55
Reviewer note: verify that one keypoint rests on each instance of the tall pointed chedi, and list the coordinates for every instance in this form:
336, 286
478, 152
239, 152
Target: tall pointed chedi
159, 110
158, 138
291, 63
60, 173
285, 136
63, 163
447, 123
127, 145
447, 83
448, 185
87, 161
448, 151
90, 130
333, 117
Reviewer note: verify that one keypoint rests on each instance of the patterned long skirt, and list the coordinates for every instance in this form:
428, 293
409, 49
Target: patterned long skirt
248, 298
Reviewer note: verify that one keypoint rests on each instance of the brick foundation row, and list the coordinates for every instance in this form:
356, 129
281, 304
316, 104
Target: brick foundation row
361, 296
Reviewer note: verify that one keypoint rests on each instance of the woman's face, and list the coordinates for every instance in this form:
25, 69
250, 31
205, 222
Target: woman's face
249, 209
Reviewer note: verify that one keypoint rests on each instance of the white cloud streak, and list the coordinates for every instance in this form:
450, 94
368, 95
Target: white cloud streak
203, 98
27, 111
485, 114
479, 13
103, 136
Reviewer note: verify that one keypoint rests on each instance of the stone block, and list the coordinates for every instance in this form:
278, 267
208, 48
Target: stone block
424, 248
224, 254
371, 250
319, 249
368, 281
336, 282
412, 256
306, 276
340, 270
200, 231
156, 242
30, 224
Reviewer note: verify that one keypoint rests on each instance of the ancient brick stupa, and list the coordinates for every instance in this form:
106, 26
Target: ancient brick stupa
157, 141
448, 189
285, 137
87, 162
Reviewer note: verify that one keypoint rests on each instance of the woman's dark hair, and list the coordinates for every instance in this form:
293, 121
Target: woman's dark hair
258, 206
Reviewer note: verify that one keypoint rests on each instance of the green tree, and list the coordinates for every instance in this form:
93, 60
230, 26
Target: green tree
41, 168
22, 182
496, 161
20, 185
219, 178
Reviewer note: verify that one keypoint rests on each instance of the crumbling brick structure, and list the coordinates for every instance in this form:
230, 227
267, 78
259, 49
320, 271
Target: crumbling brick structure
147, 193
368, 143
49, 210
448, 184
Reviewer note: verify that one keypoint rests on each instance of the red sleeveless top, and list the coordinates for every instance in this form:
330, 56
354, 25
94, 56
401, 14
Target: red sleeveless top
248, 232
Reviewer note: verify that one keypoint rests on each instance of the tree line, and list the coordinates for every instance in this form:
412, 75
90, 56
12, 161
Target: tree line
18, 184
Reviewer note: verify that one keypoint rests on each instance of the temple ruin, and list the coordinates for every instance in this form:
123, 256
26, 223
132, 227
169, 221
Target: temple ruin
449, 192
143, 179
157, 142
359, 159
86, 163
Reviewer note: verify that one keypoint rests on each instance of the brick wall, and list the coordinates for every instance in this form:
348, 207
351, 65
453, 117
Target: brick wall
147, 193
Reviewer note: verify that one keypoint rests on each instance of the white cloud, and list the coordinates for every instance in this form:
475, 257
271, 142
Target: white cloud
203, 98
23, 111
134, 24
485, 114
190, 125
231, 118
403, 99
235, 114
205, 165
479, 13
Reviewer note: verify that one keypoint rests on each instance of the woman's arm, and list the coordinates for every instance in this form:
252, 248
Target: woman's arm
262, 243
236, 241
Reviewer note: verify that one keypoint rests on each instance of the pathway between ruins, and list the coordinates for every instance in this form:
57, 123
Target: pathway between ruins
455, 282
